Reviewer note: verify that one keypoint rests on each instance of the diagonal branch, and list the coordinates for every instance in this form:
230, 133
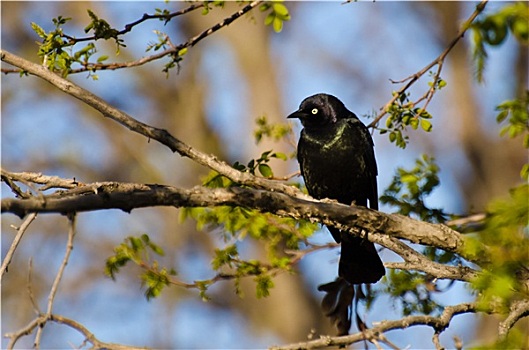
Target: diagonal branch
90, 337
519, 309
20, 233
160, 135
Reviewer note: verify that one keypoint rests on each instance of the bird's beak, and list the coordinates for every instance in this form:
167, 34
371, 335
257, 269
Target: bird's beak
297, 114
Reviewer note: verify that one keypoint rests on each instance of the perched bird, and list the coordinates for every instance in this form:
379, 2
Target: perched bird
337, 161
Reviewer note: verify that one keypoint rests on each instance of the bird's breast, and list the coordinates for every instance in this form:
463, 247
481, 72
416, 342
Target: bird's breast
332, 164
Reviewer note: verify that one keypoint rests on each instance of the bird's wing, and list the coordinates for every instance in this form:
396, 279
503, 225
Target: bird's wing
301, 154
366, 142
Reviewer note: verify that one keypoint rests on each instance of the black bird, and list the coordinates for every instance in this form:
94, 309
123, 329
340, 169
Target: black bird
337, 161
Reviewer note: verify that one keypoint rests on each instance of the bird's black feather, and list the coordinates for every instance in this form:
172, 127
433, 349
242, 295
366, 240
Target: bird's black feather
337, 161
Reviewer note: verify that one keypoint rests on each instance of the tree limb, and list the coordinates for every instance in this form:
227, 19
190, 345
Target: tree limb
383, 228
519, 309
160, 135
437, 323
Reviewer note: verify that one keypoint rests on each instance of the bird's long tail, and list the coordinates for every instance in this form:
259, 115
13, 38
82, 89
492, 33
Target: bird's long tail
359, 264
359, 261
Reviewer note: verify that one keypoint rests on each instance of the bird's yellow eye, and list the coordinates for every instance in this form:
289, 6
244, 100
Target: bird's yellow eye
314, 111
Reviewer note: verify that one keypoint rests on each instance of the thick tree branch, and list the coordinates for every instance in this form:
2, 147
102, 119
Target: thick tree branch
383, 228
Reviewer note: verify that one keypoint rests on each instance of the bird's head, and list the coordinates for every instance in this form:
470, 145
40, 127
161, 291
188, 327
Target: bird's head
321, 110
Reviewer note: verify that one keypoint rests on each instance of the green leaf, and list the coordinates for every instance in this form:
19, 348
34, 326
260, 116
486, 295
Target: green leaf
265, 170
135, 243
38, 29
102, 58
264, 284
280, 155
269, 18
409, 178
264, 7
502, 115
414, 123
277, 24
280, 9
182, 51
426, 125
392, 136
524, 173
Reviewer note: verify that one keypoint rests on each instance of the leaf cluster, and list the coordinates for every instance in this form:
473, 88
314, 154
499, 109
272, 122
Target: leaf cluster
404, 113
228, 258
408, 191
57, 52
494, 28
138, 250
517, 112
238, 223
409, 188
102, 29
277, 15
276, 131
414, 291
208, 6
261, 164
504, 245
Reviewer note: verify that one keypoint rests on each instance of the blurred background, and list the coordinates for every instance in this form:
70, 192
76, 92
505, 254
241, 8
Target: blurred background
225, 83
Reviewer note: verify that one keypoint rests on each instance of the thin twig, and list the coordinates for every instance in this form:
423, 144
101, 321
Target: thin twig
90, 337
58, 277
30, 290
435, 340
286, 177
145, 17
38, 178
437, 61
271, 270
383, 338
20, 233
15, 336
92, 67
